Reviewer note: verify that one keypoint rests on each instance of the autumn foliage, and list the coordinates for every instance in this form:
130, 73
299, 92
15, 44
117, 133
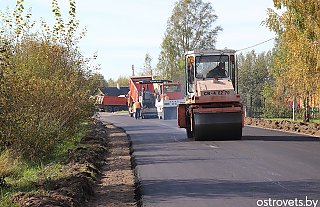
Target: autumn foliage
297, 61
45, 82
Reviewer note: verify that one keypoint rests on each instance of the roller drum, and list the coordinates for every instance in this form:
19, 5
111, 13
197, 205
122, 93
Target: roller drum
218, 126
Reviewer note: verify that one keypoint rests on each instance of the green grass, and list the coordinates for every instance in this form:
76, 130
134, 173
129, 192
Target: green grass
5, 201
121, 112
21, 175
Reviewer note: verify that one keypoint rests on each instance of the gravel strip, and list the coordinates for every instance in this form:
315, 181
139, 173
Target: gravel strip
116, 186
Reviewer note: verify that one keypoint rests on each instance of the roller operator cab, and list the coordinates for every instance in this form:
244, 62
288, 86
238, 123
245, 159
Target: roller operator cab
212, 110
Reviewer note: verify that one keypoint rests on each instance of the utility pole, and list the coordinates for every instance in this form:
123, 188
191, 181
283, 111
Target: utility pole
132, 70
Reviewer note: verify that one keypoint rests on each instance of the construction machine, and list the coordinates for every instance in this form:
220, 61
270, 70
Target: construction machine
143, 93
212, 110
169, 95
142, 89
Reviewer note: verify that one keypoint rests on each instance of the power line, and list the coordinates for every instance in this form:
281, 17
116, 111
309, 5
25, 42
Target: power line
256, 44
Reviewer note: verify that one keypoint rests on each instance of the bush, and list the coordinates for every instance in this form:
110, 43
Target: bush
277, 112
45, 83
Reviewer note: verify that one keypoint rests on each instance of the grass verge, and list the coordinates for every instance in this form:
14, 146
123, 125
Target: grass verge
18, 175
121, 112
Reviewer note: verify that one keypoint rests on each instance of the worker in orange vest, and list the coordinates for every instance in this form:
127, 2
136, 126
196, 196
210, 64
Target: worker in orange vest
138, 108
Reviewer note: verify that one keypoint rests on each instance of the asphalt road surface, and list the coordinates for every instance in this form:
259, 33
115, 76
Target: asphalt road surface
265, 168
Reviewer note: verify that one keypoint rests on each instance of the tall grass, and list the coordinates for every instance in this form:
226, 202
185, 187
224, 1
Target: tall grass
20, 175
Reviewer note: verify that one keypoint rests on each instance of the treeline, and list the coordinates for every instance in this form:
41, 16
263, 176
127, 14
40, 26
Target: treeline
253, 74
292, 85
45, 83
297, 52
122, 80
256, 82
266, 87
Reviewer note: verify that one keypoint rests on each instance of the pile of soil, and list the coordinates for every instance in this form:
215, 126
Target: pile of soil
107, 158
289, 126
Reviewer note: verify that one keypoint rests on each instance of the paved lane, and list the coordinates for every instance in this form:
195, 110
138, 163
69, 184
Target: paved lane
176, 171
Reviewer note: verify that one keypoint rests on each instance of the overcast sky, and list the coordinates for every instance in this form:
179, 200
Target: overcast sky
123, 31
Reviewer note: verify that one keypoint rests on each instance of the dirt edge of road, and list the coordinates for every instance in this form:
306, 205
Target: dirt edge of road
284, 125
137, 183
119, 184
102, 174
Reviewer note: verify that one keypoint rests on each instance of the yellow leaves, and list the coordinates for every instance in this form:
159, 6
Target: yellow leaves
45, 87
298, 30
39, 87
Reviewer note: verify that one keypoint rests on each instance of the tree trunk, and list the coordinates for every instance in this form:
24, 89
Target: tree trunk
306, 113
293, 108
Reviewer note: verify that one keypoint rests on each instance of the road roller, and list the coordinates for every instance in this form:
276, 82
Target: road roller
212, 109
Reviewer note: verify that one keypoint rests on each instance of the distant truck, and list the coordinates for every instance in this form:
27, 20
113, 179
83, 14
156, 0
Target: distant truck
142, 90
158, 98
112, 99
168, 97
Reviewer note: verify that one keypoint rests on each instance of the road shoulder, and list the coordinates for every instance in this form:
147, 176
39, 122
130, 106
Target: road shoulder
116, 185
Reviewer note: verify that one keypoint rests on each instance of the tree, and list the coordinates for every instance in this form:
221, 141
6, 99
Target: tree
297, 71
123, 80
147, 68
190, 27
253, 70
98, 80
111, 83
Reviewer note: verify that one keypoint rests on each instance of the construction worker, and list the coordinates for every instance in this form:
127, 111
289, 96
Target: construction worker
137, 106
217, 72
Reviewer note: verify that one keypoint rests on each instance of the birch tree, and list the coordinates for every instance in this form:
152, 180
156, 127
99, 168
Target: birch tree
189, 27
298, 29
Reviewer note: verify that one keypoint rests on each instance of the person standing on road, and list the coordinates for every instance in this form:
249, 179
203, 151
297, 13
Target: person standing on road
138, 108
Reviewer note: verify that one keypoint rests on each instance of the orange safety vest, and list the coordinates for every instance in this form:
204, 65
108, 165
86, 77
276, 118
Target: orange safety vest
137, 104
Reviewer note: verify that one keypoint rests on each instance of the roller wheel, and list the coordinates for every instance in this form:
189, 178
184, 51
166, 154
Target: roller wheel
239, 135
189, 133
218, 126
